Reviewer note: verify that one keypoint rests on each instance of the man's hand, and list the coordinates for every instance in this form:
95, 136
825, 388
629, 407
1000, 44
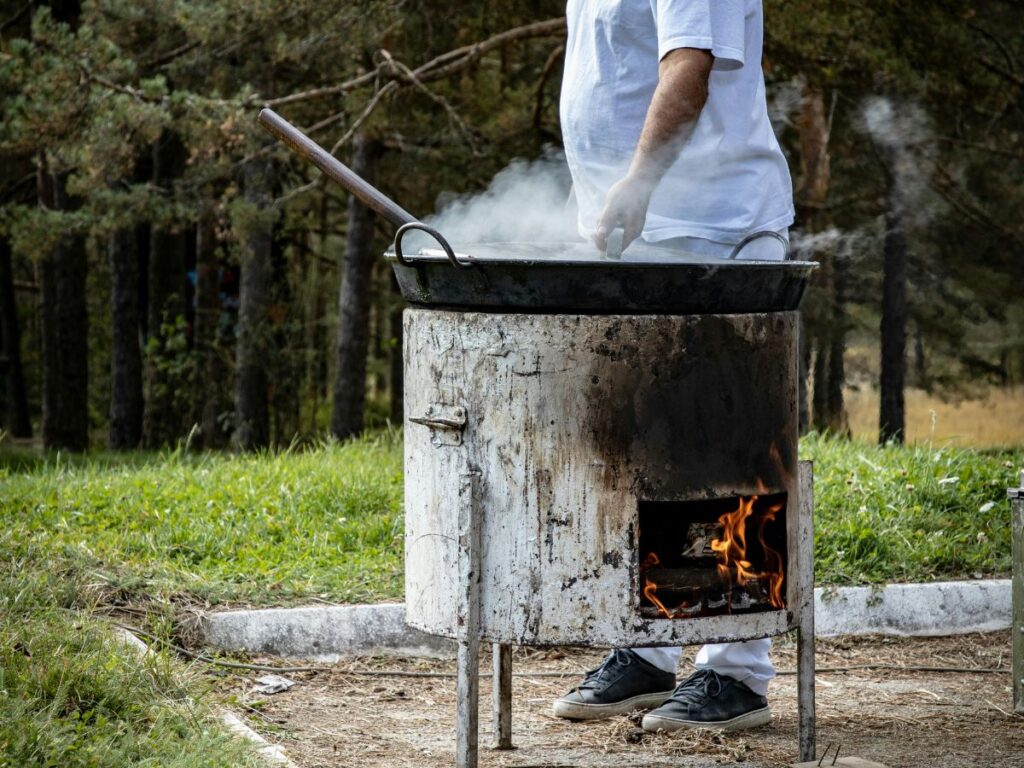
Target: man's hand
680, 96
626, 207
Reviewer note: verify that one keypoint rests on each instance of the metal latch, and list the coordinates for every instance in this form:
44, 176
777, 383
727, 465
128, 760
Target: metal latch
445, 422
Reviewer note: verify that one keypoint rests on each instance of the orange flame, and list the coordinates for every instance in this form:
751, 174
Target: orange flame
650, 588
731, 549
773, 561
733, 565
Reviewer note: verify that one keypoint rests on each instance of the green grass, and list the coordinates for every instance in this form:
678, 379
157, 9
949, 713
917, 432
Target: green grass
72, 697
94, 532
326, 522
267, 529
910, 513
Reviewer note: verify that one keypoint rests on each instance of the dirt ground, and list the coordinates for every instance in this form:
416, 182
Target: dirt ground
904, 719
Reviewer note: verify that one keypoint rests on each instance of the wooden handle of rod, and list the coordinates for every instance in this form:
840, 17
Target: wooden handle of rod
334, 169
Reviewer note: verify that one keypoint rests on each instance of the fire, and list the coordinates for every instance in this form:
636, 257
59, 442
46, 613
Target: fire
650, 588
731, 549
733, 564
773, 561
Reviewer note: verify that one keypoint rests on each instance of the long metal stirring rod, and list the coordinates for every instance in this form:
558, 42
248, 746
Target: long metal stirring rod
334, 169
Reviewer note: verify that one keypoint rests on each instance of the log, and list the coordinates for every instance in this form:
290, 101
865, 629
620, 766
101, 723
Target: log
682, 579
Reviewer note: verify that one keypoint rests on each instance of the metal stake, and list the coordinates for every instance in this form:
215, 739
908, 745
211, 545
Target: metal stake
501, 696
1017, 623
467, 687
805, 627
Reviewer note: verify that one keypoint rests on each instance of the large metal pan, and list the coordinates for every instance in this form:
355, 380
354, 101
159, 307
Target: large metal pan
562, 277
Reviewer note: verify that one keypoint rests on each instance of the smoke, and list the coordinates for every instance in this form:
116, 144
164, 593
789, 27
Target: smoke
901, 130
784, 102
895, 126
847, 245
527, 201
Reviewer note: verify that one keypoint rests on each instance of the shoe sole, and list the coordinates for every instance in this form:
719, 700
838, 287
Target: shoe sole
571, 710
742, 722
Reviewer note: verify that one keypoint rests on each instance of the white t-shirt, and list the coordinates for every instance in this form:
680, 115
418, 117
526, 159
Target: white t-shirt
731, 177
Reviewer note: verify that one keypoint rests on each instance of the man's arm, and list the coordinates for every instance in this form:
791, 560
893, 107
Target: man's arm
680, 96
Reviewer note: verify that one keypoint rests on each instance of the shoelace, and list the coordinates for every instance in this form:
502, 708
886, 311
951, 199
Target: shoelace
697, 689
595, 676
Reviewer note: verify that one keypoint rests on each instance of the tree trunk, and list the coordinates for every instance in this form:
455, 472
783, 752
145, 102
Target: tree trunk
126, 406
921, 364
210, 363
811, 195
396, 361
804, 368
314, 315
891, 419
252, 423
829, 367
64, 328
17, 420
819, 400
837, 421
286, 360
354, 303
163, 420
378, 304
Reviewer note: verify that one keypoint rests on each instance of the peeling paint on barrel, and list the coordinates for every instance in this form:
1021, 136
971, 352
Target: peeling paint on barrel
571, 420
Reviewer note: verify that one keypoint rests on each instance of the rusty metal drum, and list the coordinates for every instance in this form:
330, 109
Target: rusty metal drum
572, 424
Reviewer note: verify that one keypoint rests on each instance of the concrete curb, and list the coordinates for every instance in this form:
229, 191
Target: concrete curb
323, 633
271, 753
329, 633
914, 610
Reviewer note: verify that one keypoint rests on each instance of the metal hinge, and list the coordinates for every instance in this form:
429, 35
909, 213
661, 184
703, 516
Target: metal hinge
445, 422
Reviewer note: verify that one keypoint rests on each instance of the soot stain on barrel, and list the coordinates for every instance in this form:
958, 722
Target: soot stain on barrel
694, 411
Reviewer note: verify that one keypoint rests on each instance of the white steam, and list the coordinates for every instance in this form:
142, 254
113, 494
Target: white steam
897, 126
527, 201
901, 130
784, 102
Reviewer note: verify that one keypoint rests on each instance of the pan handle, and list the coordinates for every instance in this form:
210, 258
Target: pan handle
333, 168
434, 234
757, 236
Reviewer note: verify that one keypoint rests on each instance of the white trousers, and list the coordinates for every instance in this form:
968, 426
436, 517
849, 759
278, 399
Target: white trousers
747, 662
763, 248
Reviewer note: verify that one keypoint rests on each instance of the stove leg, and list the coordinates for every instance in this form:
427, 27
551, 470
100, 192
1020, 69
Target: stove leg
467, 684
502, 696
805, 689
1017, 623
805, 628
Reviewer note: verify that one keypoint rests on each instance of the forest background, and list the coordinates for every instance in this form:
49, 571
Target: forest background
168, 273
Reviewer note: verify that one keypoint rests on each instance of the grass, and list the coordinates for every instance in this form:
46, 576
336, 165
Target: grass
325, 523
266, 529
72, 697
996, 418
89, 534
910, 513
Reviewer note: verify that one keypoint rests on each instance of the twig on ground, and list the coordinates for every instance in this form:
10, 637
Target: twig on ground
567, 673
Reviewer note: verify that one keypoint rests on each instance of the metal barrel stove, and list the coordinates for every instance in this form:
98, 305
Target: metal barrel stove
597, 453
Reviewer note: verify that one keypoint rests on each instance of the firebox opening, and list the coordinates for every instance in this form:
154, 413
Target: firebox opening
712, 556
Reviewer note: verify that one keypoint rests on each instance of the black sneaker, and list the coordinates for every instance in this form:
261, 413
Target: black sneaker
622, 683
707, 699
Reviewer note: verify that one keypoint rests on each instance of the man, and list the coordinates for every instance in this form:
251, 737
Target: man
667, 136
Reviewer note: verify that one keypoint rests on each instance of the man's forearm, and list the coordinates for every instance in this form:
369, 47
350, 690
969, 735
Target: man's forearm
678, 99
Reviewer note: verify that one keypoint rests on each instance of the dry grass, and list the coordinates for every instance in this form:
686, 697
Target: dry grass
997, 420
900, 717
